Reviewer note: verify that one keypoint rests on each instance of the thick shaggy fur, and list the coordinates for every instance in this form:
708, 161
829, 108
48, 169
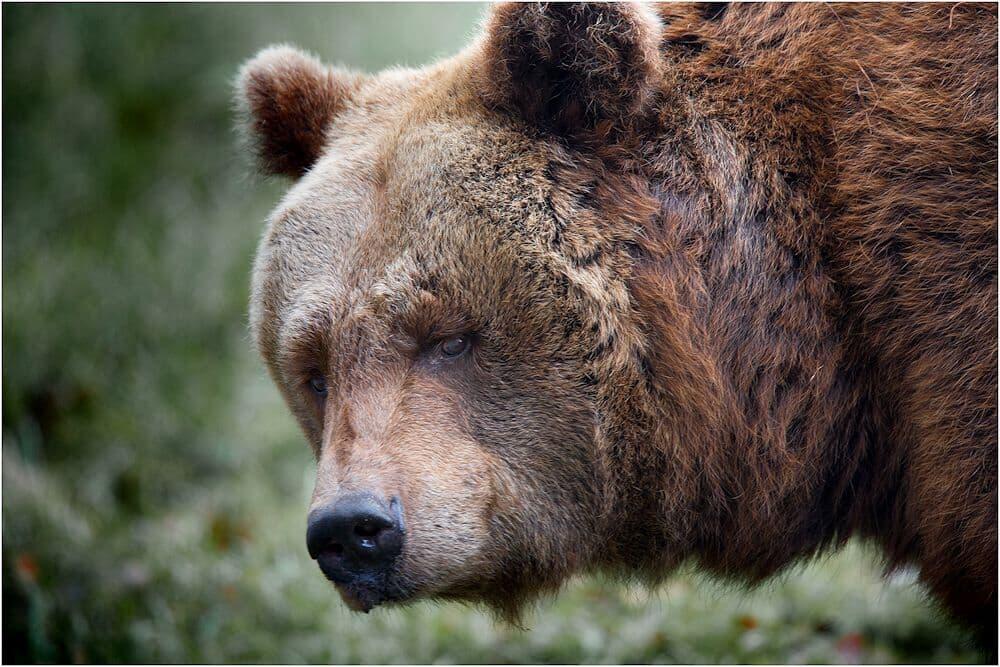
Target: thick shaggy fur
732, 273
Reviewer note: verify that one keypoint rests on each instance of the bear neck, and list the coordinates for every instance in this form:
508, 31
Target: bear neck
749, 431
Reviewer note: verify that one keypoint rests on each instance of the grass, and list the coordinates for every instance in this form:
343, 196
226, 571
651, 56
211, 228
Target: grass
154, 485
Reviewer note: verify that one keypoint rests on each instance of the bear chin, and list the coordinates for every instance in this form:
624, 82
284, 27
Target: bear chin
365, 592
358, 599
365, 596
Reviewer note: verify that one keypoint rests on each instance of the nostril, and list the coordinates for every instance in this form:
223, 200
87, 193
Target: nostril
367, 528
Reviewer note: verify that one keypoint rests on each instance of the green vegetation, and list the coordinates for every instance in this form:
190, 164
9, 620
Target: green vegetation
154, 485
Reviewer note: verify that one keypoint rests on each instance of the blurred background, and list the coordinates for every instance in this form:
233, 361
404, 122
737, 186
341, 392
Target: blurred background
154, 486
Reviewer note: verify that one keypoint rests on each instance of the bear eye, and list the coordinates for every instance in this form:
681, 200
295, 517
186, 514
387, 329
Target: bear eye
318, 384
456, 345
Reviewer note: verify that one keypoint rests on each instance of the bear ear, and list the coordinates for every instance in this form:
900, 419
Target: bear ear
572, 68
287, 99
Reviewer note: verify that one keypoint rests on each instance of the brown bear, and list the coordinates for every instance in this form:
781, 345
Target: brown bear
620, 286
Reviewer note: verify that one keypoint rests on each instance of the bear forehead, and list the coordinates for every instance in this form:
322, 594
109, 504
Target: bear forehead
398, 193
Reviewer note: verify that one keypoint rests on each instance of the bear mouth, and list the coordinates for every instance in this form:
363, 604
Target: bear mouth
358, 598
363, 594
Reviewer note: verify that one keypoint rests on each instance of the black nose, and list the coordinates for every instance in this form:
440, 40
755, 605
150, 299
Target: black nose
356, 532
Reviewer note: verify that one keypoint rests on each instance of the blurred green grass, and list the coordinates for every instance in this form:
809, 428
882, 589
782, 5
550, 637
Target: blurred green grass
153, 484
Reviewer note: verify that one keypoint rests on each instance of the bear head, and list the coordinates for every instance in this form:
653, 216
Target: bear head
443, 300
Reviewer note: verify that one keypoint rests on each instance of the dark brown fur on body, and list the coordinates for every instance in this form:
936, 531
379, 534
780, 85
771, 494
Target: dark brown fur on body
732, 272
849, 262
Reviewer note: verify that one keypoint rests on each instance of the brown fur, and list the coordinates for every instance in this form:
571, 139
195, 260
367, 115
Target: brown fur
288, 99
732, 274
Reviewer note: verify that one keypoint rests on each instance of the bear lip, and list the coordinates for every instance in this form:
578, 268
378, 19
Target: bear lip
357, 600
364, 596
